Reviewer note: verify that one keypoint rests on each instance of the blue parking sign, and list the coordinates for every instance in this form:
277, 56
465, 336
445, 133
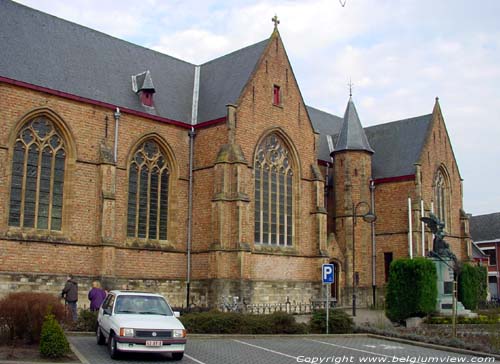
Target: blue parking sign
328, 273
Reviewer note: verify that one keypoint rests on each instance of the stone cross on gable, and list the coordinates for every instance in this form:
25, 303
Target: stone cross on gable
275, 21
350, 84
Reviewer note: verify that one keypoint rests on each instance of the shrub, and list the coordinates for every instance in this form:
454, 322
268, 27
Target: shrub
215, 322
412, 289
87, 321
22, 313
53, 343
339, 322
472, 286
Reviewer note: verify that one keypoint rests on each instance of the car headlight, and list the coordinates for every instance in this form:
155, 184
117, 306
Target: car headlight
179, 333
126, 332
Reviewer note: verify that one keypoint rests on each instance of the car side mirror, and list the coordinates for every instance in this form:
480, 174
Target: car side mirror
107, 311
177, 314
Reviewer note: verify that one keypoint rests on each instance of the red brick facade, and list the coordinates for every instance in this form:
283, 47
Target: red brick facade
93, 243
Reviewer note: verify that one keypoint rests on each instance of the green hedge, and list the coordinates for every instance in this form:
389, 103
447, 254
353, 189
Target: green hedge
339, 322
472, 283
412, 289
215, 322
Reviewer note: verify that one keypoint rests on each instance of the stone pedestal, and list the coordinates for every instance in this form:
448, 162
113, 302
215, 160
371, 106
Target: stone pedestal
445, 278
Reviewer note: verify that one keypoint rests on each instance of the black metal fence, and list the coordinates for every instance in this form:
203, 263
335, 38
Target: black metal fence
234, 304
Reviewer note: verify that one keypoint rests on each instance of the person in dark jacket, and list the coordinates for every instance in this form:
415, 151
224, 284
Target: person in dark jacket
70, 295
96, 296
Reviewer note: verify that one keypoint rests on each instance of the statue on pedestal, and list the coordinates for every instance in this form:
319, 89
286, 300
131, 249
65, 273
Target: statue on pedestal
440, 248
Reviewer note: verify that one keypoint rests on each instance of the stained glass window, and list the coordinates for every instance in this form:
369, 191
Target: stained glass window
273, 193
441, 197
148, 193
37, 185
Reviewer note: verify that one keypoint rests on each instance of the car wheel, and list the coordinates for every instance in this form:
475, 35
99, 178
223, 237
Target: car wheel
101, 340
177, 356
113, 351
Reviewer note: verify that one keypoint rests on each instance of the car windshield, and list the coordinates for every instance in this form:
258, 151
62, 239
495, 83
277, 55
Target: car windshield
142, 305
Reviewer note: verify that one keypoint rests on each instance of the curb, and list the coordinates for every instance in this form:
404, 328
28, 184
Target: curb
78, 354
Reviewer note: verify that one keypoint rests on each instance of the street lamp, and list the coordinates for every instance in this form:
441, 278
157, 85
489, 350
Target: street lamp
368, 217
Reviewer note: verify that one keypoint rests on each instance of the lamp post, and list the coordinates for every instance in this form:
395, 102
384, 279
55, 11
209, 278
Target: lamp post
368, 217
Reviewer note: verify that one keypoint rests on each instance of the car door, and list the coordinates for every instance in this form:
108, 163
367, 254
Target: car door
105, 318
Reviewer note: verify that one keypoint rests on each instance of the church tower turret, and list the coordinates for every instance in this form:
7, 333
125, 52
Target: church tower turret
352, 173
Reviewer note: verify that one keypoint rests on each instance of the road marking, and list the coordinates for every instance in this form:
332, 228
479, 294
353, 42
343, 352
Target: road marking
193, 359
354, 349
385, 347
266, 349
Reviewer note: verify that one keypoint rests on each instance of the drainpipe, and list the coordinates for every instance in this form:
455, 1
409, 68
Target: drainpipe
190, 214
432, 211
117, 115
374, 252
192, 134
410, 230
423, 226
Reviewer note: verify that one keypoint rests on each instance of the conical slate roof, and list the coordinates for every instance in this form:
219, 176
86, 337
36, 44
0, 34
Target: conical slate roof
352, 136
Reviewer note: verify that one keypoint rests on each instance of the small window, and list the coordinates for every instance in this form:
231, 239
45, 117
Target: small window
387, 264
276, 95
492, 254
147, 98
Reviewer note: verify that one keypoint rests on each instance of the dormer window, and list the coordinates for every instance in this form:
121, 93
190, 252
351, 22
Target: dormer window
276, 95
142, 85
146, 98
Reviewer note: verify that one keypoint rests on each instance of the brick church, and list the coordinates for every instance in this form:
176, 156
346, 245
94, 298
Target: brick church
126, 165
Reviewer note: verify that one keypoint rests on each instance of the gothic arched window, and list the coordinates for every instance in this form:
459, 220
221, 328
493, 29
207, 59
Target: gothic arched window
36, 195
273, 193
441, 197
148, 193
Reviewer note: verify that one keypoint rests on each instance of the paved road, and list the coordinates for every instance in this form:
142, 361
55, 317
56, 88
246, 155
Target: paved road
279, 350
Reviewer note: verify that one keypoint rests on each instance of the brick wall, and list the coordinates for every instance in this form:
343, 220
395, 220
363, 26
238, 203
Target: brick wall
93, 243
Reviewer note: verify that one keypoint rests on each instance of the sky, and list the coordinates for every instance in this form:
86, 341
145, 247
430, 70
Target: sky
399, 55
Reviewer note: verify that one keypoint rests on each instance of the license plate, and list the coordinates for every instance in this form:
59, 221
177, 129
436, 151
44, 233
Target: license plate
153, 343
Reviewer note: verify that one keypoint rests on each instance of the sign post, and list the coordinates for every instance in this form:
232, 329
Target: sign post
328, 274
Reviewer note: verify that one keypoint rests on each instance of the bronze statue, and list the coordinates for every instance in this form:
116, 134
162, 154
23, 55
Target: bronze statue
440, 247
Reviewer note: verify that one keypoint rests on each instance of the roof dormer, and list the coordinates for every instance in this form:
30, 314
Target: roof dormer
142, 85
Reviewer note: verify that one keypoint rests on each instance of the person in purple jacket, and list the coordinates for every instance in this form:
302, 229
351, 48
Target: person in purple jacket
96, 296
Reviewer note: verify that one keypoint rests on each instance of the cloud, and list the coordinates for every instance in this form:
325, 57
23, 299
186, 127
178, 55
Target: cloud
208, 45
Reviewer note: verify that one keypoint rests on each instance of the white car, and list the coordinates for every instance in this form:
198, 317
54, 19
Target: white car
130, 321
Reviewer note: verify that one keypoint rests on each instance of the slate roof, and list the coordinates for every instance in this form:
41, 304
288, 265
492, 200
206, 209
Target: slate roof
397, 145
223, 79
50, 52
352, 136
326, 125
485, 227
